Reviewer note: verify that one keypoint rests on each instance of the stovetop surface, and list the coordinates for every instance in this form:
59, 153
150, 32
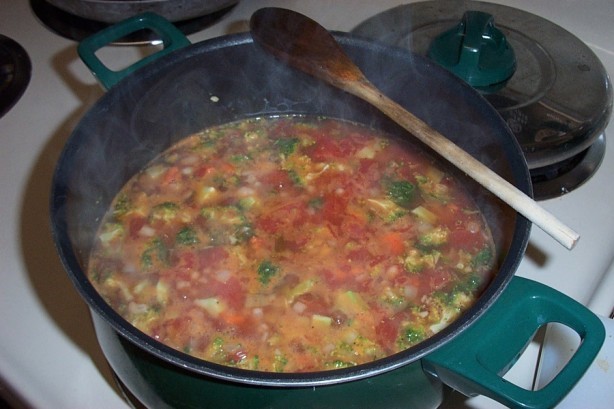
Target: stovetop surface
49, 357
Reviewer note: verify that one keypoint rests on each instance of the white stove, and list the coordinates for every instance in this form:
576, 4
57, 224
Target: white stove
49, 357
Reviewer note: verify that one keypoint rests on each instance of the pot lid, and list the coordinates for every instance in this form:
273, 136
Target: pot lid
15, 71
558, 100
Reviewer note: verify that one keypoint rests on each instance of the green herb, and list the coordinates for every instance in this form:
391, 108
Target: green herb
483, 258
468, 286
146, 259
161, 250
100, 276
401, 192
316, 203
266, 271
295, 178
286, 146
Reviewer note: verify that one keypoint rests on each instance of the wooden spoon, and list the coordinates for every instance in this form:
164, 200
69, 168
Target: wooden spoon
304, 44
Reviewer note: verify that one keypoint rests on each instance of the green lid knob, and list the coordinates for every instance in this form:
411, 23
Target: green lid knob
476, 51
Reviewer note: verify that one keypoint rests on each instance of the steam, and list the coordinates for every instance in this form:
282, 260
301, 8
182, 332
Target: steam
230, 78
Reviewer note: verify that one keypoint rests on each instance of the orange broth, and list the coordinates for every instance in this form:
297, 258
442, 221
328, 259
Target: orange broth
291, 244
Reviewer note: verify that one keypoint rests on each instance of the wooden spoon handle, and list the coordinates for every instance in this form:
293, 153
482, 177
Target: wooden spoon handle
490, 180
304, 44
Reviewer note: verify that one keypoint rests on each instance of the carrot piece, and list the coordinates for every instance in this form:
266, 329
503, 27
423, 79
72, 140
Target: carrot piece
256, 243
233, 319
227, 168
171, 175
394, 241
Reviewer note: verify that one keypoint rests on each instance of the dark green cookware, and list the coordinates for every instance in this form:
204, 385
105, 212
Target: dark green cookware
187, 87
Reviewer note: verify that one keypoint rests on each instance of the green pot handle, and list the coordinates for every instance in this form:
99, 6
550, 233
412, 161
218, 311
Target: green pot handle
172, 39
474, 362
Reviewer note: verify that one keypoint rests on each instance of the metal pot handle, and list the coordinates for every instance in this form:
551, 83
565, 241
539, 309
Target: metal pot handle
474, 362
172, 39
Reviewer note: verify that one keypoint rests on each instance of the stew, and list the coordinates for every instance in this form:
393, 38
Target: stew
291, 244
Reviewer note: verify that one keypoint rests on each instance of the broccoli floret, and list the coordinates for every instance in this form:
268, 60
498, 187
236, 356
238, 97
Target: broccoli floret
279, 363
228, 224
227, 215
122, 206
360, 348
460, 294
164, 211
338, 363
468, 286
417, 260
156, 248
216, 352
187, 236
432, 187
110, 232
410, 336
394, 299
386, 209
435, 237
246, 203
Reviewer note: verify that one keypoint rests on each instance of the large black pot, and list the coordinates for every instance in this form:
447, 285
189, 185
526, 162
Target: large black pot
188, 88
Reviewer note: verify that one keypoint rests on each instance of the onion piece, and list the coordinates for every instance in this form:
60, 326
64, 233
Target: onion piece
147, 231
299, 307
222, 276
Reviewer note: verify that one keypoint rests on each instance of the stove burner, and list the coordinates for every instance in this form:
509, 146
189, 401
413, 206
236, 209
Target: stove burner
77, 28
15, 70
560, 178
